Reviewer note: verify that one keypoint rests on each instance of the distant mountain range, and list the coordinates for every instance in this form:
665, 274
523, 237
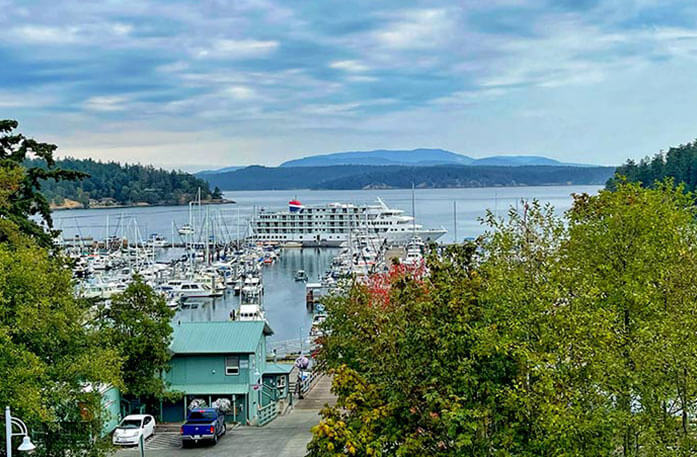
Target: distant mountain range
221, 170
418, 157
413, 157
426, 168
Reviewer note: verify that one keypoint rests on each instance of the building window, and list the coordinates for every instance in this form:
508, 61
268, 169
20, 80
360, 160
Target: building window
232, 366
281, 382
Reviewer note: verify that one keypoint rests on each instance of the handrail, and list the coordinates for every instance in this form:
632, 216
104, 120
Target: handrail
309, 382
266, 414
273, 395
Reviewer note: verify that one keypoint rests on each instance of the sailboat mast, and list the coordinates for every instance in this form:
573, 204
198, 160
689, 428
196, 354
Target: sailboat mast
413, 212
455, 220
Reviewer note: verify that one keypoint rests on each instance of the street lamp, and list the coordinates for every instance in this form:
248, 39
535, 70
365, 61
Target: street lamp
26, 445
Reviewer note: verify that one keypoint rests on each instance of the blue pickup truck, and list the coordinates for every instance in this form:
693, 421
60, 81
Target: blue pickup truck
203, 424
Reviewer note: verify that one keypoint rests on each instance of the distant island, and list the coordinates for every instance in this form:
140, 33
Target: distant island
423, 168
348, 177
111, 184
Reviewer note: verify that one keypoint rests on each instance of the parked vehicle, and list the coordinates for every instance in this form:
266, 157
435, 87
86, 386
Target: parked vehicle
131, 428
203, 424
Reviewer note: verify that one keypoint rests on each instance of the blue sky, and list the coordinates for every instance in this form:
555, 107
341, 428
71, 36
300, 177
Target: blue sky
200, 84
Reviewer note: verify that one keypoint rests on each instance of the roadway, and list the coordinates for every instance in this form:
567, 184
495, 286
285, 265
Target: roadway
285, 436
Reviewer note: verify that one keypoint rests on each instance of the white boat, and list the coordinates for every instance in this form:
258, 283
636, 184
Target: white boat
300, 275
331, 224
173, 301
315, 329
186, 230
251, 291
251, 313
188, 289
157, 241
414, 252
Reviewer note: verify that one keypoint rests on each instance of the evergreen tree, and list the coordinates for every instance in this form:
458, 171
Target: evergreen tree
26, 200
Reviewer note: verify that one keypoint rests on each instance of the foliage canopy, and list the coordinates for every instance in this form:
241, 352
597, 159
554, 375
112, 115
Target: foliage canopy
137, 324
124, 184
22, 197
548, 336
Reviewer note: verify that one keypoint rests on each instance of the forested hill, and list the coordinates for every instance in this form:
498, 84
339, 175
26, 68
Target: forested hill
112, 183
679, 163
367, 177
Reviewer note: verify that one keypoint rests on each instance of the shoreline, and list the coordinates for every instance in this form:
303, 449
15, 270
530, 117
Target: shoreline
374, 188
71, 206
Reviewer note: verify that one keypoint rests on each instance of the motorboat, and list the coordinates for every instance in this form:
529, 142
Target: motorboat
186, 230
251, 313
300, 275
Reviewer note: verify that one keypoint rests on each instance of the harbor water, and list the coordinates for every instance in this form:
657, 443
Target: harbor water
457, 210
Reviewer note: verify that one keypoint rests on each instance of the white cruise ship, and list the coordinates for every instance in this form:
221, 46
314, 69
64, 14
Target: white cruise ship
330, 225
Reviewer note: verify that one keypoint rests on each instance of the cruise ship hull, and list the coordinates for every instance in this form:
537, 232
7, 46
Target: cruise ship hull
315, 241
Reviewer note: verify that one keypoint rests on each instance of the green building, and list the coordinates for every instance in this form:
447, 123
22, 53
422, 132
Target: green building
112, 408
212, 360
111, 404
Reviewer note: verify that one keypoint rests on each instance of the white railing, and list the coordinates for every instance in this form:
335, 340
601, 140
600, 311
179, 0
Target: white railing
267, 413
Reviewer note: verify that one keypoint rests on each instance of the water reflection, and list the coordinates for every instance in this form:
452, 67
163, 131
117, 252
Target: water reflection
284, 298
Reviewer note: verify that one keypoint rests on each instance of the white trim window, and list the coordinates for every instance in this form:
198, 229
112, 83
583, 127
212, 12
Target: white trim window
232, 365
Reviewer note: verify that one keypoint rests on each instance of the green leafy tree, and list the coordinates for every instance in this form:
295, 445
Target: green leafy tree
552, 336
49, 353
137, 323
630, 278
415, 373
51, 358
26, 199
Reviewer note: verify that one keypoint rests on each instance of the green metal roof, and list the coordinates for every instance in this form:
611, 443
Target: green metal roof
210, 389
218, 337
278, 368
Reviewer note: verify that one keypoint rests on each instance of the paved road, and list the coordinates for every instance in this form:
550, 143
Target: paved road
286, 436
318, 396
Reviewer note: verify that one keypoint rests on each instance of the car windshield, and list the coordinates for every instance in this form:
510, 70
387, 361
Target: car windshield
199, 415
130, 423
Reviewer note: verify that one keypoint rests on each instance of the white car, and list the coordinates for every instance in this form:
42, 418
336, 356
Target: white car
131, 428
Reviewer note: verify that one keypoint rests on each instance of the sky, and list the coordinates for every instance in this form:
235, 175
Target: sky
213, 83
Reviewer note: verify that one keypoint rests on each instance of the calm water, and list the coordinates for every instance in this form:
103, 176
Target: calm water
284, 298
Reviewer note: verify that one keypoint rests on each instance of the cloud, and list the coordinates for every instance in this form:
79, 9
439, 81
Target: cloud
240, 92
417, 29
50, 35
46, 34
25, 100
272, 77
238, 49
353, 66
174, 67
361, 79
106, 103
